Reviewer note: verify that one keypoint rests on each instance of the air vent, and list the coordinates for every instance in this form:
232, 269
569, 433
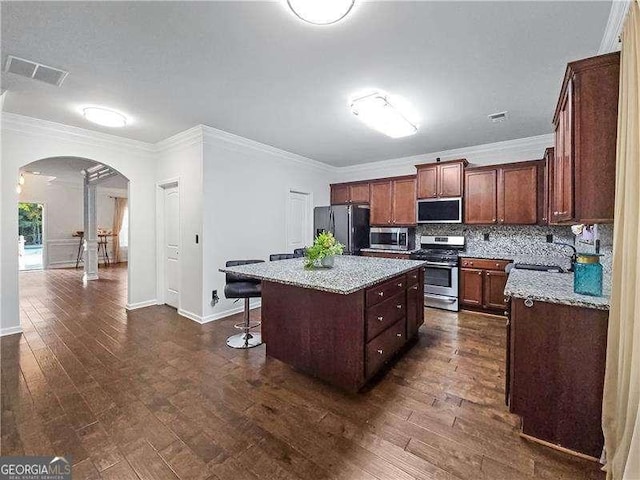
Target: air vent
498, 117
37, 71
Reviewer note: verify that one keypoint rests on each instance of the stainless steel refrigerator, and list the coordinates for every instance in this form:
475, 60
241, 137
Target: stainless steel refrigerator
348, 223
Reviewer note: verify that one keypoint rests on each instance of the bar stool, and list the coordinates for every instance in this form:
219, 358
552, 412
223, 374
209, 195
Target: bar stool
280, 256
243, 287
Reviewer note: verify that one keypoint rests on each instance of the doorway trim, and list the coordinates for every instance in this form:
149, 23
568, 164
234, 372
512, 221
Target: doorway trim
160, 264
308, 239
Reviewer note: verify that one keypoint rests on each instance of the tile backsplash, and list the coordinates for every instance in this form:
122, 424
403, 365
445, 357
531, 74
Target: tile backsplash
520, 239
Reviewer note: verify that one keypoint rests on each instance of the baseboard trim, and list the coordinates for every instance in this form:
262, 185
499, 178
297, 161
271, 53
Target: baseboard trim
10, 331
216, 316
137, 305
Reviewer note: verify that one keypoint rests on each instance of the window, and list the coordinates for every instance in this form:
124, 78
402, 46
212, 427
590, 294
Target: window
123, 235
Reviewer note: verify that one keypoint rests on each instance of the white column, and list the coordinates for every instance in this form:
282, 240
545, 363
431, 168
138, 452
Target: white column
90, 232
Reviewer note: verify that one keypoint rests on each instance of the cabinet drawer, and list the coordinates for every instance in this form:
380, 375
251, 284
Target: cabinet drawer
484, 263
384, 346
385, 290
385, 314
413, 277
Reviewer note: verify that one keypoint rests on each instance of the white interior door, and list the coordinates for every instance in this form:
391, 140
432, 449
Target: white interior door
171, 240
299, 221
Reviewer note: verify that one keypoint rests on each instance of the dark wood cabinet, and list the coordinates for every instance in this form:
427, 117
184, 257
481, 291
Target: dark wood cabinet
345, 193
359, 193
585, 121
480, 196
494, 283
557, 356
482, 283
509, 194
441, 180
471, 281
393, 202
339, 194
518, 194
547, 186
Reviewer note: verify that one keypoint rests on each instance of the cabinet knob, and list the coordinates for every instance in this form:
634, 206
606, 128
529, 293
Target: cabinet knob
380, 319
415, 287
479, 273
381, 294
556, 213
399, 306
399, 335
528, 303
497, 265
400, 284
380, 351
470, 263
487, 273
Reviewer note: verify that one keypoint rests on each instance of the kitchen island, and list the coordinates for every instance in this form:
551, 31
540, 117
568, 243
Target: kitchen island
343, 324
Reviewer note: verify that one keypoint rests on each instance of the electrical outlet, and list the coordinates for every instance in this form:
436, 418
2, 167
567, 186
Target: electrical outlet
486, 237
549, 238
214, 298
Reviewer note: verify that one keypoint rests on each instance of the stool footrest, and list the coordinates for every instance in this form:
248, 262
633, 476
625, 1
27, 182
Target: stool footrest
242, 326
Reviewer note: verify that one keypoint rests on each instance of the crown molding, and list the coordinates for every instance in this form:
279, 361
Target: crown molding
610, 40
527, 148
213, 136
185, 139
36, 126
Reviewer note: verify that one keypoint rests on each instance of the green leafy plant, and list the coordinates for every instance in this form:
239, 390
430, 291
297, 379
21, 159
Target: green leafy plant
324, 245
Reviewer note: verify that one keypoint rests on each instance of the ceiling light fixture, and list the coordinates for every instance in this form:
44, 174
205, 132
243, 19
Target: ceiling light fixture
377, 111
104, 116
35, 173
321, 12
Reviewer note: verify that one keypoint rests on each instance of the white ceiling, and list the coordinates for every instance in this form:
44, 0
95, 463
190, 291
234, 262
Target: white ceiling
255, 70
69, 170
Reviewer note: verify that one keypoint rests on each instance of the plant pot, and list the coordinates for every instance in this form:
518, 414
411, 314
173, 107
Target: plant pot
327, 262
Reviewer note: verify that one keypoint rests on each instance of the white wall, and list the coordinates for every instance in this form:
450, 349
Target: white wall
63, 205
25, 140
520, 150
180, 158
246, 186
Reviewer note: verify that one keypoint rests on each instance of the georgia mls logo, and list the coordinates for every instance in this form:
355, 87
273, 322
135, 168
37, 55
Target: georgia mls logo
35, 468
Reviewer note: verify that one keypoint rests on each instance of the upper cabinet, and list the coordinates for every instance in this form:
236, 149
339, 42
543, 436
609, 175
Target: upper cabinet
393, 201
343, 193
582, 173
505, 194
441, 180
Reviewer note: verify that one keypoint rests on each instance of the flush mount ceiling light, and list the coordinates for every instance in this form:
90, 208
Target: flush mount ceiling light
104, 116
380, 112
321, 12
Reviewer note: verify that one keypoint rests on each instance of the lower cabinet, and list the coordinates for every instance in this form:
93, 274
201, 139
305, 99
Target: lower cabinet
555, 364
482, 283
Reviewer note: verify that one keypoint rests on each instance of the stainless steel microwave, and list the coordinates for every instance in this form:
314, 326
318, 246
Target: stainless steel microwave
389, 238
440, 210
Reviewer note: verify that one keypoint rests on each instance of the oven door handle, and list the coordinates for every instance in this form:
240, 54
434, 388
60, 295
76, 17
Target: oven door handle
440, 264
440, 298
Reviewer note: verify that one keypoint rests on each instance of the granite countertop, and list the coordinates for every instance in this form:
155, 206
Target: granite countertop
349, 274
381, 250
553, 288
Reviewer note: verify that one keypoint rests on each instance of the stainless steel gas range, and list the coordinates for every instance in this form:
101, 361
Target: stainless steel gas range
441, 271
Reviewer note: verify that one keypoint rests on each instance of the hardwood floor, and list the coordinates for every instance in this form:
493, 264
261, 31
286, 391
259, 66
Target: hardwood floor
148, 394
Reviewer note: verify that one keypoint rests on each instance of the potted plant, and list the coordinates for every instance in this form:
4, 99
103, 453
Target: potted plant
325, 247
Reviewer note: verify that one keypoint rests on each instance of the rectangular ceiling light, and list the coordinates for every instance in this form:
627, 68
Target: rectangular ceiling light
376, 112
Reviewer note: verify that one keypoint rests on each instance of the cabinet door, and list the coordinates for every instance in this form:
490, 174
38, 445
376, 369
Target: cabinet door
415, 303
450, 180
428, 182
339, 194
359, 193
480, 200
380, 213
471, 287
404, 202
547, 186
567, 160
518, 195
494, 283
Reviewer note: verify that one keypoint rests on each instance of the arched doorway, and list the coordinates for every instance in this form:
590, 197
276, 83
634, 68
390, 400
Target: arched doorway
84, 216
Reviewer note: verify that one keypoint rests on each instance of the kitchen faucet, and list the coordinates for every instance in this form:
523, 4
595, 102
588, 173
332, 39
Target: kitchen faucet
573, 256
